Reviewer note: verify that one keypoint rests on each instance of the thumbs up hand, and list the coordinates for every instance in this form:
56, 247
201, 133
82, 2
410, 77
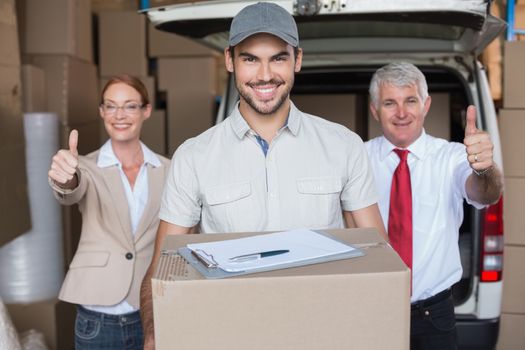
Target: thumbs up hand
478, 144
65, 163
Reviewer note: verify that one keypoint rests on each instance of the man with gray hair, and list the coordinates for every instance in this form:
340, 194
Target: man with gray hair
421, 182
268, 166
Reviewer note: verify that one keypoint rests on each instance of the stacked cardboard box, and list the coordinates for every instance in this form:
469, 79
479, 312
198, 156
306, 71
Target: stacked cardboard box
512, 124
343, 108
189, 84
190, 74
98, 6
492, 60
118, 54
14, 205
59, 76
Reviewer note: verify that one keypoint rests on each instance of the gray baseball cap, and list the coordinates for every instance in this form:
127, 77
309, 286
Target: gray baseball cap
264, 17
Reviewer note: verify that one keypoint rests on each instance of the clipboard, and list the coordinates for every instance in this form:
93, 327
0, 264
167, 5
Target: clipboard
209, 269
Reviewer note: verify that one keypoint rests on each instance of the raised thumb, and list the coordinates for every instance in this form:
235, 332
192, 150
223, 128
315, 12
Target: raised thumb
73, 142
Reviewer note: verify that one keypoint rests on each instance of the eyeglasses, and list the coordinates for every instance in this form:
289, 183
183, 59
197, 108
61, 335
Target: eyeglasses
131, 108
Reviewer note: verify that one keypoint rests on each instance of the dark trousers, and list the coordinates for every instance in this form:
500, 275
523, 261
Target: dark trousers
433, 323
96, 330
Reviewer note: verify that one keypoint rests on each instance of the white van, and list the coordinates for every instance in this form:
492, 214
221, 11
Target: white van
344, 42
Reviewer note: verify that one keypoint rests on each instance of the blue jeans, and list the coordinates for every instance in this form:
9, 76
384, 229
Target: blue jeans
95, 330
433, 324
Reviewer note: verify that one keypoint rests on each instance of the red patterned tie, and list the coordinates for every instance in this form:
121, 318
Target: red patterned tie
400, 213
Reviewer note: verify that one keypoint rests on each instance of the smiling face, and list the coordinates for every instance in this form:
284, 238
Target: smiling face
263, 67
401, 112
123, 113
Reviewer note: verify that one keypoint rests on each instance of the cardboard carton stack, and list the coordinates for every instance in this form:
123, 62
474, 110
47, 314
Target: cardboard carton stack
343, 108
190, 75
58, 75
14, 205
492, 58
122, 49
512, 124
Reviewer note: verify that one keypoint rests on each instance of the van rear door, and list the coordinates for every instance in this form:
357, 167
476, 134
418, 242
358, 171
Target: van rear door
327, 26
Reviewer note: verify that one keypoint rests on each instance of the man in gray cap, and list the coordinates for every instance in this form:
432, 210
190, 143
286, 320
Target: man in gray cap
268, 166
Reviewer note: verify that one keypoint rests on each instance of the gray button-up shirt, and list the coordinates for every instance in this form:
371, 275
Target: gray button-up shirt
313, 170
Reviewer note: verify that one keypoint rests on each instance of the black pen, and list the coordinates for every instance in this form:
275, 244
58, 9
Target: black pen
254, 256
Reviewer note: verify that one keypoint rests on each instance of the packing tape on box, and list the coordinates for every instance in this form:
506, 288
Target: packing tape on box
31, 266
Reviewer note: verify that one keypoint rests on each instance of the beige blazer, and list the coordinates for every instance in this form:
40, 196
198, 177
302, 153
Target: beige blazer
110, 261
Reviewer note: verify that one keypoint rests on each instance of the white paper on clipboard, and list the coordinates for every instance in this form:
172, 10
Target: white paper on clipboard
302, 244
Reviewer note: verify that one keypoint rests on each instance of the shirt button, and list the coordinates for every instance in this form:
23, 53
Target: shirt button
129, 256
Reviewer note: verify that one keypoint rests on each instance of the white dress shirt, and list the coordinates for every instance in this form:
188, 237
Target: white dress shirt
438, 173
137, 198
312, 171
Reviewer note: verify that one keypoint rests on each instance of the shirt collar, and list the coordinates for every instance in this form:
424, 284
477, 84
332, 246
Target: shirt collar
241, 127
107, 158
417, 148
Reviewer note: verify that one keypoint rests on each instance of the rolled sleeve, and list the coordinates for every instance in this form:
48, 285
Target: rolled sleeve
359, 192
180, 203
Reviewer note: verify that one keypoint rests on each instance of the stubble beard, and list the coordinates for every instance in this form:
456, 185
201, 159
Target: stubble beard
262, 107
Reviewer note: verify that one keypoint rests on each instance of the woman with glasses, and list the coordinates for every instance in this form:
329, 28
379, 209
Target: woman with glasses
117, 189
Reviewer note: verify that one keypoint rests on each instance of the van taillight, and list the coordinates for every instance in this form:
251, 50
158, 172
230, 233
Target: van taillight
492, 243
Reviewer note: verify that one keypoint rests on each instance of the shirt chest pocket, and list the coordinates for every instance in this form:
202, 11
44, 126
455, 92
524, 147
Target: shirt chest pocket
227, 194
319, 202
319, 186
229, 207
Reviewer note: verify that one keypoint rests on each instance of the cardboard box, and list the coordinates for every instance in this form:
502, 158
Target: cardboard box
9, 54
359, 303
122, 43
514, 202
437, 121
88, 136
513, 300
338, 108
154, 132
157, 3
513, 74
164, 44
492, 60
190, 86
511, 126
54, 318
61, 27
511, 334
188, 115
14, 202
114, 5
519, 17
71, 87
11, 120
33, 89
